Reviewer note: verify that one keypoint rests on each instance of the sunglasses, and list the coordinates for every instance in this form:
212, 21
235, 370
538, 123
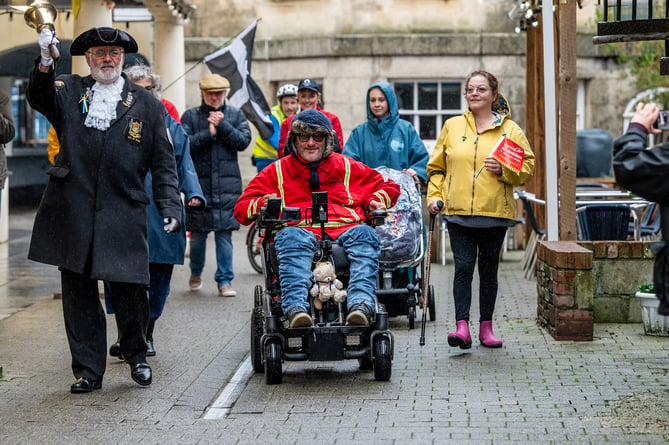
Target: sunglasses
317, 137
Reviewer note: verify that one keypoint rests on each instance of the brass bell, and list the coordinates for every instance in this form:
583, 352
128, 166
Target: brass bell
40, 15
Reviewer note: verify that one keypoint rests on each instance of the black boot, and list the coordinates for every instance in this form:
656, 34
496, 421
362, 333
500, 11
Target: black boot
150, 351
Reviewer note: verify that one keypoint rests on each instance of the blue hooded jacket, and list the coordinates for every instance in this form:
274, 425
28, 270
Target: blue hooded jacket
390, 142
169, 248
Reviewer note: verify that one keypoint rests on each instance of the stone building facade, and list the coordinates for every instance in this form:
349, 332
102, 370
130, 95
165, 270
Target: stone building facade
425, 48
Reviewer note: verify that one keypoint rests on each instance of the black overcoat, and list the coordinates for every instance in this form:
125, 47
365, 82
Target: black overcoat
215, 160
93, 211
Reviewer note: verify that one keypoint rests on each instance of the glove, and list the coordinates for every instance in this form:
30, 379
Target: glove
45, 40
171, 224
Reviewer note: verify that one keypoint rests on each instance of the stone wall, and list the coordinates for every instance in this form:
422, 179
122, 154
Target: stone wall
618, 269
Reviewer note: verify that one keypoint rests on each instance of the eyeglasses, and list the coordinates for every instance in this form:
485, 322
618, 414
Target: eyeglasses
317, 137
479, 90
101, 52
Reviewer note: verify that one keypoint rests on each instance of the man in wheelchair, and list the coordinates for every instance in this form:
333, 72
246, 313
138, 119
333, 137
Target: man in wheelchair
353, 189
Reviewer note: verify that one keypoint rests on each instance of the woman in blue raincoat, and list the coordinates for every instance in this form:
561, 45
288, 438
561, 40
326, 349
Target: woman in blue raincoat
385, 139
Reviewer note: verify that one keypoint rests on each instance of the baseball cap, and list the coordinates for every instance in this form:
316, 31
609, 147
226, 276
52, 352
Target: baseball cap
308, 84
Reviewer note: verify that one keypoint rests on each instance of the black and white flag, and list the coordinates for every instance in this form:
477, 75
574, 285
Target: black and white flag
234, 63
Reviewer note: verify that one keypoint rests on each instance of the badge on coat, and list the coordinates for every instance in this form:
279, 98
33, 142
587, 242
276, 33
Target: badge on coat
135, 130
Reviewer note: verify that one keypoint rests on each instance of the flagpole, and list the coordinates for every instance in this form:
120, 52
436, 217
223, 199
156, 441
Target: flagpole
202, 60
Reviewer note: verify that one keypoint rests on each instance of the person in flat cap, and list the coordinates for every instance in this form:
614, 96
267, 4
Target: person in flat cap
92, 220
309, 97
352, 187
217, 132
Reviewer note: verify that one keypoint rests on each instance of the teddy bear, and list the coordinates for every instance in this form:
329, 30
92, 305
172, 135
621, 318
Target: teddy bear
326, 285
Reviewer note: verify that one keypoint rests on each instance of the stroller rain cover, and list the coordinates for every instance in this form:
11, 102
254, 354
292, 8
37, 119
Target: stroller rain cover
401, 235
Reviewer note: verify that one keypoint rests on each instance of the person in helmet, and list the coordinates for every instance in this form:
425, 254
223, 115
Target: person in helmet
309, 97
265, 150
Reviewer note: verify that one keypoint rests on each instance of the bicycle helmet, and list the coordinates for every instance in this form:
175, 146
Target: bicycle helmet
286, 90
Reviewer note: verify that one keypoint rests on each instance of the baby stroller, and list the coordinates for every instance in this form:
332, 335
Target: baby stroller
330, 338
401, 263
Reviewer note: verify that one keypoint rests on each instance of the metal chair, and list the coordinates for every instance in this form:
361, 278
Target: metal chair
598, 222
651, 223
530, 258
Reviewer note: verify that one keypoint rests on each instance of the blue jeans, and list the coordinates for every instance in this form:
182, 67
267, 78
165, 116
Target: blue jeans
198, 253
295, 251
468, 243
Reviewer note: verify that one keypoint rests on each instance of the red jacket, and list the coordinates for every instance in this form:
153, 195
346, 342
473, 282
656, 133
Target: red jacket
350, 184
285, 128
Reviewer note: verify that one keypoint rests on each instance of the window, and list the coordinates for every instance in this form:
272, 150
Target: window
427, 105
31, 126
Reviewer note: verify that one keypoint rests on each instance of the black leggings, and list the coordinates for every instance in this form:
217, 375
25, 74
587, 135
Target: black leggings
468, 243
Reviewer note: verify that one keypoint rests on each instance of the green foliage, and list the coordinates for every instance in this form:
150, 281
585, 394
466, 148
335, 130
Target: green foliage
642, 59
647, 288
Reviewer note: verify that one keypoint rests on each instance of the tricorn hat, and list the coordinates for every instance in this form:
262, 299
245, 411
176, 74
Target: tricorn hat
102, 36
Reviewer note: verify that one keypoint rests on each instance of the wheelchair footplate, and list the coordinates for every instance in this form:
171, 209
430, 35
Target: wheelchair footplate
327, 342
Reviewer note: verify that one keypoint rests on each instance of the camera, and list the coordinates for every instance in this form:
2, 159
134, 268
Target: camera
662, 122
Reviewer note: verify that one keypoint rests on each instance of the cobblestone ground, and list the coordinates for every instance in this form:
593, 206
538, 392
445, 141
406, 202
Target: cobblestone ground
533, 390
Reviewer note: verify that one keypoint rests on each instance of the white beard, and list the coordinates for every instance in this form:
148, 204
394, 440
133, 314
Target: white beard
106, 77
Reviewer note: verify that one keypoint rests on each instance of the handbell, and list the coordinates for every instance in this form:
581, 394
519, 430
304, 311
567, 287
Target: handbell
40, 15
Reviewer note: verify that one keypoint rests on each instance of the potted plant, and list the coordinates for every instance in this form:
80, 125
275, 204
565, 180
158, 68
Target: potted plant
653, 323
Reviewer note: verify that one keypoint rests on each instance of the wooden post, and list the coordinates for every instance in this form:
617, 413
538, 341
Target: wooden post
534, 118
566, 30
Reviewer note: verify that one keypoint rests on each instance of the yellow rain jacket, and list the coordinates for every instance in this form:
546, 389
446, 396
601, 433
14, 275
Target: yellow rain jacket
466, 188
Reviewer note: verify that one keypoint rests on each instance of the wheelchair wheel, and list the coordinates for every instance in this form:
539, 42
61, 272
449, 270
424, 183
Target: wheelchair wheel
382, 360
273, 371
412, 317
254, 248
257, 330
431, 304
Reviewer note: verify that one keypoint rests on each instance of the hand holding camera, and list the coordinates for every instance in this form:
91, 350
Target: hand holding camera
647, 115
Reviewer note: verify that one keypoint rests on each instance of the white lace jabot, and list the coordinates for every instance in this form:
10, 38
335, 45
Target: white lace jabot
102, 109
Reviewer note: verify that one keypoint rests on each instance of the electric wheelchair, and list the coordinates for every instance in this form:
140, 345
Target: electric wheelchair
329, 338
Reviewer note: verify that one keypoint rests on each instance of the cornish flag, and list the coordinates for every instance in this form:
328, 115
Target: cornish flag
234, 63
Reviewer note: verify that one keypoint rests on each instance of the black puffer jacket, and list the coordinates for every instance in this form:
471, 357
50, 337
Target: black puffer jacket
215, 159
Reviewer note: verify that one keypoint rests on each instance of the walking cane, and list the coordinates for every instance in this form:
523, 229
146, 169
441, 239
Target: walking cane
426, 278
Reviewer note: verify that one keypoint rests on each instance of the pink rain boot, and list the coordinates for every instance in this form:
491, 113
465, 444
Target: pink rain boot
487, 337
461, 335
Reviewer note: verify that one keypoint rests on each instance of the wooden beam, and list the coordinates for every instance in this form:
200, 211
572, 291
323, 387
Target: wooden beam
534, 118
567, 86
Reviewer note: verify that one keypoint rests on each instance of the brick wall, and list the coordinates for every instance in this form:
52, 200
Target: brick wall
588, 282
564, 290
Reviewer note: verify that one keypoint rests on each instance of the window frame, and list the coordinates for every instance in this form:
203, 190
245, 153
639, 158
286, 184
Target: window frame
439, 113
